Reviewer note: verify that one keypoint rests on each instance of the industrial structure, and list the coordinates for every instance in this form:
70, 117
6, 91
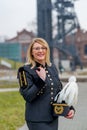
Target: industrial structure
11, 51
67, 25
58, 24
44, 21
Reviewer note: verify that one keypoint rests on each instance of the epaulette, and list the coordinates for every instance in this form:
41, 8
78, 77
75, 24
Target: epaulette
22, 77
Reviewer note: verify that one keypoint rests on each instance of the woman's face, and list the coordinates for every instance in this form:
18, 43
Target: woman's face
39, 52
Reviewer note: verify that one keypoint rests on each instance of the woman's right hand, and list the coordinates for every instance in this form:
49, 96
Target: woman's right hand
41, 73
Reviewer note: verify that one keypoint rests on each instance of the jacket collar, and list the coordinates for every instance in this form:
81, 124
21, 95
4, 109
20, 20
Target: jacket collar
38, 65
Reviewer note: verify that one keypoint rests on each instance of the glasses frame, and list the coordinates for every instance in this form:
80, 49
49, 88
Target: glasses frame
39, 48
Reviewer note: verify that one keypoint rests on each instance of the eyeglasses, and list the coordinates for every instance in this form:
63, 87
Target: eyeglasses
38, 48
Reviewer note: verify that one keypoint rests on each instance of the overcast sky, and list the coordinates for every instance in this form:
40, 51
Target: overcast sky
18, 14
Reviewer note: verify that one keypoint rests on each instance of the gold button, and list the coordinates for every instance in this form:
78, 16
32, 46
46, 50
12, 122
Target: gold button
51, 88
48, 75
52, 98
52, 83
51, 102
46, 71
51, 93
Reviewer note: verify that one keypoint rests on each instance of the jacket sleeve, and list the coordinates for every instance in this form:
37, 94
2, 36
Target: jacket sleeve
28, 89
60, 85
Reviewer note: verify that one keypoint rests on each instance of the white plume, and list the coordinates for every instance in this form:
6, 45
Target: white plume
69, 93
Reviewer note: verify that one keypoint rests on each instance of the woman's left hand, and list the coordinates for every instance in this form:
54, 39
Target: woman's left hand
70, 115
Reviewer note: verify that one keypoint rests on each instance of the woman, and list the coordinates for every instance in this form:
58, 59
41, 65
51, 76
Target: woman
39, 84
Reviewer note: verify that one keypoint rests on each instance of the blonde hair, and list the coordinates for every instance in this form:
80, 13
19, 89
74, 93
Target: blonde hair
30, 58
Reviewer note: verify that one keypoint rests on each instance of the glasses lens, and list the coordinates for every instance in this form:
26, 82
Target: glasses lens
40, 48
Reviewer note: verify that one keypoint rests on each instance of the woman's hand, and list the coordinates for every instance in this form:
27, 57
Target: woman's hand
70, 115
41, 73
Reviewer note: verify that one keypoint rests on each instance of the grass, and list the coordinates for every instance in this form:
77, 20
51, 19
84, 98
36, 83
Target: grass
14, 64
9, 84
11, 110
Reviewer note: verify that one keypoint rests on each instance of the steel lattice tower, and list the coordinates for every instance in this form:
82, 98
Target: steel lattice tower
67, 24
67, 19
44, 21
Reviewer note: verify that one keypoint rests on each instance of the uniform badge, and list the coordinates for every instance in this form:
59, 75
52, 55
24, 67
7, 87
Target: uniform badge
60, 109
22, 78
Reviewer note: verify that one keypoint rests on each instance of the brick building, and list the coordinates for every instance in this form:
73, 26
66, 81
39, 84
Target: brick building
18, 46
80, 41
23, 38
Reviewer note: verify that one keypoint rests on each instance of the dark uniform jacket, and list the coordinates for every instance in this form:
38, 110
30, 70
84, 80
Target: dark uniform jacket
38, 94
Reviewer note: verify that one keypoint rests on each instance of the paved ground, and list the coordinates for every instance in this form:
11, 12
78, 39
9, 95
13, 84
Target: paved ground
79, 122
8, 89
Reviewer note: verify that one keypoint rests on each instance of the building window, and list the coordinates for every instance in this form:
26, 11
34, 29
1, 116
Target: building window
85, 49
